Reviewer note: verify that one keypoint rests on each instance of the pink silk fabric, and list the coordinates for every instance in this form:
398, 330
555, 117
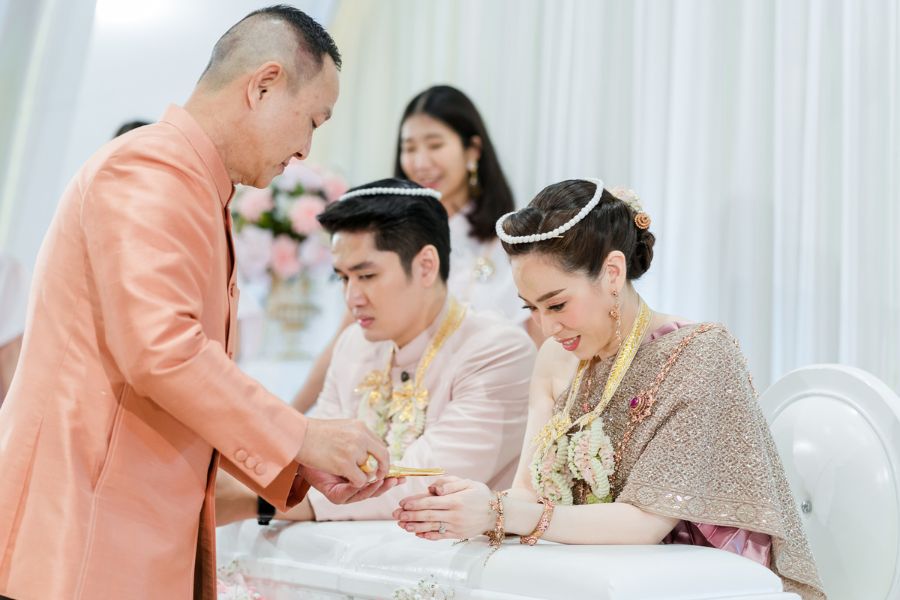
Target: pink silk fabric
749, 544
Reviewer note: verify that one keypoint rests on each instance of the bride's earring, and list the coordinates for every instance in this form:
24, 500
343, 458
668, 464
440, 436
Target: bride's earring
616, 315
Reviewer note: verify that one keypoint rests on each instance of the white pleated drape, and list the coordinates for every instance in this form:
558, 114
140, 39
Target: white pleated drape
761, 136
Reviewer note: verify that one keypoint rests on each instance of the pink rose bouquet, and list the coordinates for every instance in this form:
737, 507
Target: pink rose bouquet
276, 228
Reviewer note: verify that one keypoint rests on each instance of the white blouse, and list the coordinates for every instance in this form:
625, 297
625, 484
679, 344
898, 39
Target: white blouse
480, 274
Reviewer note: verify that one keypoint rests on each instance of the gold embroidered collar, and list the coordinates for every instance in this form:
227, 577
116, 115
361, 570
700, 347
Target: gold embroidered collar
398, 415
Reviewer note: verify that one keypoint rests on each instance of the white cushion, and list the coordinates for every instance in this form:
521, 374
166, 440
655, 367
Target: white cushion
367, 559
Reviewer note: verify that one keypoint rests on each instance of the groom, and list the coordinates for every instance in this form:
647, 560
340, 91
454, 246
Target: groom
126, 400
443, 385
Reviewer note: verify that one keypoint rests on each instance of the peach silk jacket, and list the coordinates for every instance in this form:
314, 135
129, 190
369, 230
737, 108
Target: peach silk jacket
126, 391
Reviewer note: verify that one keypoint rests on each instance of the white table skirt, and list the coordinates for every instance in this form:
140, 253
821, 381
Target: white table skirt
369, 559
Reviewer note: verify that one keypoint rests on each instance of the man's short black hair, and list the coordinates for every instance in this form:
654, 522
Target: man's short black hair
249, 41
311, 36
401, 224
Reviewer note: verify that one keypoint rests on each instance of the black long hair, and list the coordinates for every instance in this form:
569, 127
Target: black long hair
453, 108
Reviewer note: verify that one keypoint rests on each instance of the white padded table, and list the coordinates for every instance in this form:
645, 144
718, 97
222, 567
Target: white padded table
369, 559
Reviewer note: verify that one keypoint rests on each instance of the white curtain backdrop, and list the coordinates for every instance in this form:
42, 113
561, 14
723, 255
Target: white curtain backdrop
761, 135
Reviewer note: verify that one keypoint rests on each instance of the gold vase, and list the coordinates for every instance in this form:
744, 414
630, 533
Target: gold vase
290, 307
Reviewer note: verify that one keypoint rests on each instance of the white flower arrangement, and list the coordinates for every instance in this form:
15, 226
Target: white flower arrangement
426, 589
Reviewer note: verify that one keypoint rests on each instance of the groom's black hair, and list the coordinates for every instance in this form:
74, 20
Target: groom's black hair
401, 224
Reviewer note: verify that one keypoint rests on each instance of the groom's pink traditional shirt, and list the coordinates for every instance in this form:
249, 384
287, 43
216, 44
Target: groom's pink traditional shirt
477, 404
126, 386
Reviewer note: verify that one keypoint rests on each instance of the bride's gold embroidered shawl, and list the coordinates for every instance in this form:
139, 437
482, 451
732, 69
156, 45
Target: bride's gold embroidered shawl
697, 447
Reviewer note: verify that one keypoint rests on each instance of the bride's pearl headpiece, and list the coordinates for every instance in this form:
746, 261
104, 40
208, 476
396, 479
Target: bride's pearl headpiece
555, 233
392, 191
641, 219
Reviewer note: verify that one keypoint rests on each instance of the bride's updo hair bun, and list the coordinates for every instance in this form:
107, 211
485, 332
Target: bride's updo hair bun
609, 226
640, 260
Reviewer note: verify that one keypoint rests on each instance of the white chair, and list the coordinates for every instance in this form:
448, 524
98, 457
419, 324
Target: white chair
837, 430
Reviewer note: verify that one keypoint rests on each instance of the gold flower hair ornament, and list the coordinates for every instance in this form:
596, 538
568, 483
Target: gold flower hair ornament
629, 197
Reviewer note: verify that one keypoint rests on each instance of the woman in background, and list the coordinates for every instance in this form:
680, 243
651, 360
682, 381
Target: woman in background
444, 145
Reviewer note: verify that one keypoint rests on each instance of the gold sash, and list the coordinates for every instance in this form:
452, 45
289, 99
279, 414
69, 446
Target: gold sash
561, 422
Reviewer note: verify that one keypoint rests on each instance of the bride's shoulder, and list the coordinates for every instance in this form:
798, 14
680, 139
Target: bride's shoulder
555, 366
660, 320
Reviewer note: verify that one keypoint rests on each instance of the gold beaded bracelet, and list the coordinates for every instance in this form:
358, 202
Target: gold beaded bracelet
496, 535
542, 524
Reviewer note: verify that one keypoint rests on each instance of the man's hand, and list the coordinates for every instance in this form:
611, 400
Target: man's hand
339, 446
339, 491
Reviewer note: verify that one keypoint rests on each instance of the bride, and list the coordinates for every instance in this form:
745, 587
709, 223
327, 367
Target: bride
643, 427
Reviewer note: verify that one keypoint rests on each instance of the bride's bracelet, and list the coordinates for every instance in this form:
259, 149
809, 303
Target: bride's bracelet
495, 536
544, 522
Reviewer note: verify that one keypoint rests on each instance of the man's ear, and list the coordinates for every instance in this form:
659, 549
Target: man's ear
261, 81
427, 265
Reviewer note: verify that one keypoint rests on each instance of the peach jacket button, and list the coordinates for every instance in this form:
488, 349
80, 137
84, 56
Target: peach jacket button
251, 462
260, 469
241, 455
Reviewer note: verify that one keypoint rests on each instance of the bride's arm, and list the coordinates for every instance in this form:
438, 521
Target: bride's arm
541, 393
463, 505
613, 523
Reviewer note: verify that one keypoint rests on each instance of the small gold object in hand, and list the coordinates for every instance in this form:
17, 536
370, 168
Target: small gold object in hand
371, 465
398, 471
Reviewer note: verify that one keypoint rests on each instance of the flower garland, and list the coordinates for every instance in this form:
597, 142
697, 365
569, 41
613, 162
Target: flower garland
562, 456
585, 455
398, 415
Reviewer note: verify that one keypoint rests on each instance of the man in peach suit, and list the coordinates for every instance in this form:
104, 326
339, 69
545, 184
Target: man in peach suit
126, 393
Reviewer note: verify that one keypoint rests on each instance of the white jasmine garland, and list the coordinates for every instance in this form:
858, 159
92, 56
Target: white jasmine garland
585, 455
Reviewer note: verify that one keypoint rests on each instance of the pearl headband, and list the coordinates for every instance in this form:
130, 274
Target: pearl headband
540, 237
392, 191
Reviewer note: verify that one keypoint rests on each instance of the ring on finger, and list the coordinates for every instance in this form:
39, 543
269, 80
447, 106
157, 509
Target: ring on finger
369, 466
442, 529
